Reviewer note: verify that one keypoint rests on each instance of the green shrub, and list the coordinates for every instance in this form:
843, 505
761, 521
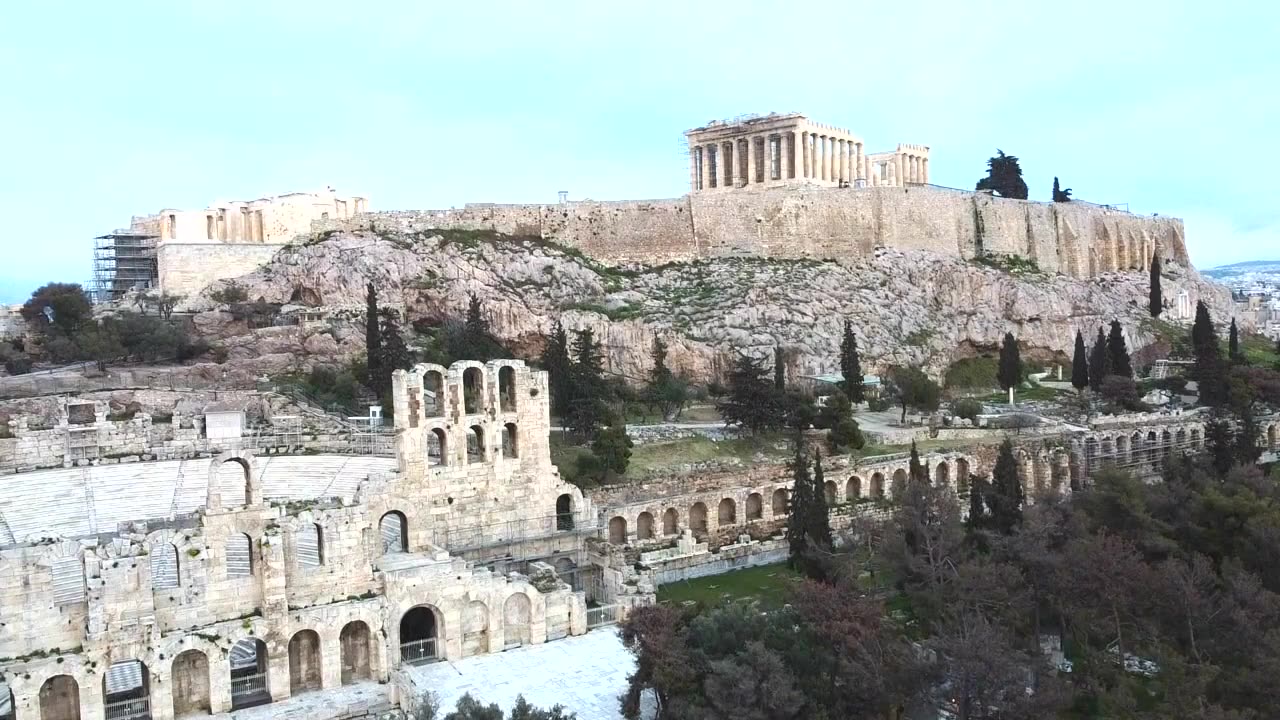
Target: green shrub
974, 372
229, 293
846, 435
967, 408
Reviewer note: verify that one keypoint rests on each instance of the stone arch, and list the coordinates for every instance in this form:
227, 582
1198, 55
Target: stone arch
1091, 454
249, 670
1273, 436
355, 652
393, 529
1135, 447
780, 501
517, 612
507, 388
433, 391
755, 507
618, 530
1180, 438
190, 683
877, 485
308, 543
1122, 450
1152, 446
238, 477
165, 568
962, 472
60, 698
473, 390
698, 518
670, 522
127, 689
304, 661
564, 512
831, 492
726, 512
239, 555
853, 489
421, 629
437, 447
899, 483
644, 526
942, 474
476, 450
475, 629
510, 442
1197, 442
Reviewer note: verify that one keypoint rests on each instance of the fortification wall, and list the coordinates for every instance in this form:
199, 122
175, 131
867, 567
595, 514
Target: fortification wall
792, 221
187, 268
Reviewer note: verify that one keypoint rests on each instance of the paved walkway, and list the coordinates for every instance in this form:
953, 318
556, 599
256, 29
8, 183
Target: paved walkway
585, 674
333, 703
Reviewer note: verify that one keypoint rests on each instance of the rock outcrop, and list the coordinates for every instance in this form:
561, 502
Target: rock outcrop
907, 306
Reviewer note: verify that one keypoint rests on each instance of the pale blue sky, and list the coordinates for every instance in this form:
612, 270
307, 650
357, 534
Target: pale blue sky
121, 108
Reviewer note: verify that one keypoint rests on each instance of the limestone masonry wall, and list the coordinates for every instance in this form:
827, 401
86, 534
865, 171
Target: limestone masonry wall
186, 268
793, 221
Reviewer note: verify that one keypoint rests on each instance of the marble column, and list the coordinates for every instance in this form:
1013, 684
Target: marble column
751, 160
861, 163
845, 147
693, 168
727, 159
915, 169
705, 170
720, 168
826, 158
897, 170
924, 168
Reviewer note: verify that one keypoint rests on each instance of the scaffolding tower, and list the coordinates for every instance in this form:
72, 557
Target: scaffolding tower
123, 260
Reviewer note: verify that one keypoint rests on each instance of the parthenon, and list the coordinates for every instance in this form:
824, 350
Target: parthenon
776, 149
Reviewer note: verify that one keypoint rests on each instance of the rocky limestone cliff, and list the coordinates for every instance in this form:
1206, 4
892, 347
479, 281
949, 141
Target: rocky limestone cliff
907, 306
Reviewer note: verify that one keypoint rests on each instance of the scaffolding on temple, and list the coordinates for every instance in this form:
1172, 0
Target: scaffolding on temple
123, 260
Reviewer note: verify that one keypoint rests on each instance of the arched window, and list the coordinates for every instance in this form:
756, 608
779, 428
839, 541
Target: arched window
309, 541
1153, 447
233, 482
853, 489
509, 447
644, 526
249, 673
164, 567
670, 522
475, 444
419, 630
516, 618
472, 390
727, 512
433, 393
618, 530
564, 512
304, 661
126, 690
831, 491
239, 555
942, 474
60, 698
698, 518
755, 507
1273, 437
877, 485
507, 388
899, 485
190, 684
780, 502
962, 471
354, 642
437, 447
394, 532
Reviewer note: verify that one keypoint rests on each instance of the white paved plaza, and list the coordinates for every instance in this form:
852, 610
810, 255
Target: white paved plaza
586, 674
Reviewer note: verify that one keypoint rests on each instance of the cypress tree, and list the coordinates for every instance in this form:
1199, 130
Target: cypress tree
800, 504
1156, 301
1208, 368
1010, 371
1060, 195
1220, 442
555, 360
1004, 176
1080, 365
1247, 450
1119, 352
1099, 361
372, 340
1233, 344
916, 470
977, 505
819, 519
851, 365
589, 407
1006, 496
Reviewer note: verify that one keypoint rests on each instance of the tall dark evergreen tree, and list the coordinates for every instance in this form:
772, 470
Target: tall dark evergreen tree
1004, 176
1120, 363
373, 340
1080, 365
394, 354
799, 506
915, 469
1060, 195
555, 360
1233, 344
589, 407
1208, 371
1006, 497
1099, 361
779, 370
665, 391
1220, 441
1155, 301
977, 503
819, 517
750, 399
1010, 371
1247, 450
851, 365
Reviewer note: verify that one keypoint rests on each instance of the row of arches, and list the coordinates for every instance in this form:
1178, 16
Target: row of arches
422, 629
166, 563
696, 518
127, 684
1139, 447
855, 489
438, 448
435, 395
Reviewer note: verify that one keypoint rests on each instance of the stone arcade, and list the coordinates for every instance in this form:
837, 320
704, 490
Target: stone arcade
162, 589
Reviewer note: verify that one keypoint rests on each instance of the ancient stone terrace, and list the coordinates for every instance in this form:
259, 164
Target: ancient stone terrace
158, 590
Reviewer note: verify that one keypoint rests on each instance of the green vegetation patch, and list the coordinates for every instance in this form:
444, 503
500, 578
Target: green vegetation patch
1012, 264
974, 372
767, 585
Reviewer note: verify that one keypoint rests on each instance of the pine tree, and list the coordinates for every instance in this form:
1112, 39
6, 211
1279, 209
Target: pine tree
851, 365
1099, 361
1233, 344
1004, 176
1080, 365
373, 341
1155, 303
589, 407
665, 391
555, 360
1010, 371
612, 445
751, 400
779, 370
1060, 195
1119, 353
1006, 496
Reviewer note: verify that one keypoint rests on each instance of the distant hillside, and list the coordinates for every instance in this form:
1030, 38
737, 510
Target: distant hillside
1250, 267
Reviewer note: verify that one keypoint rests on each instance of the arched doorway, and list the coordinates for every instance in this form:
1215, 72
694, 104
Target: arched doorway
853, 489
475, 629
698, 518
618, 530
516, 613
233, 482
507, 388
304, 661
249, 674
755, 507
190, 683
60, 698
437, 448
419, 633
726, 513
394, 531
899, 485
564, 512
877, 485
942, 474
644, 526
354, 642
126, 691
475, 445
510, 448
164, 567
830, 492
670, 522
472, 390
779, 502
433, 385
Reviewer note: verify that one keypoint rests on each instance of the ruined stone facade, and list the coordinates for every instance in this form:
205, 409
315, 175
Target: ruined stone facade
790, 148
157, 590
